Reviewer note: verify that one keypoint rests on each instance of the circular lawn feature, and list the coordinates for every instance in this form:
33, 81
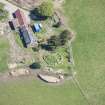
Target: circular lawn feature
53, 59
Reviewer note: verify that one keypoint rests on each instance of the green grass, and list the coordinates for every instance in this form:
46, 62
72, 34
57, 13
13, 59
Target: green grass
4, 48
26, 92
1, 5
87, 18
3, 12
18, 40
58, 59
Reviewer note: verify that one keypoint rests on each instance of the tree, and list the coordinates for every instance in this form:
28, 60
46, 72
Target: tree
65, 36
60, 40
52, 43
35, 65
46, 9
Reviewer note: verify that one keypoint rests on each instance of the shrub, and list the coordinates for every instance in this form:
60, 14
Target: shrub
65, 36
61, 40
35, 65
53, 42
46, 9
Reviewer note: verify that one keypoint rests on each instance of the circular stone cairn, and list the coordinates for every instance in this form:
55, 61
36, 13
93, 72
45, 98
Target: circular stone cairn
61, 77
49, 79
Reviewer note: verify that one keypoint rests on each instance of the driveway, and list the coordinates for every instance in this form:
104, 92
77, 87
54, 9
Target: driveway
12, 8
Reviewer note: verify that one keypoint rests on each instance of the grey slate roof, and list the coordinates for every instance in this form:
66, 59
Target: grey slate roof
25, 35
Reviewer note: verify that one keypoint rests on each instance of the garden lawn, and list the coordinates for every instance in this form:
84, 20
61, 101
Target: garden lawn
26, 92
87, 18
18, 39
58, 60
4, 49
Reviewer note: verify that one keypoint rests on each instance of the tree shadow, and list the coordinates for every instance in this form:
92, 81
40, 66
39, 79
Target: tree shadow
34, 15
48, 47
11, 25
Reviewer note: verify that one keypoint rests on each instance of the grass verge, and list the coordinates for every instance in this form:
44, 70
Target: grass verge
4, 49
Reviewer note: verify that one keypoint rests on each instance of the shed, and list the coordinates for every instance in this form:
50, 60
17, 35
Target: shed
37, 27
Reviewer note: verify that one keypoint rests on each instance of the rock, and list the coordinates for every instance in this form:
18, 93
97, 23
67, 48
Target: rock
74, 73
19, 72
12, 65
61, 77
60, 71
50, 69
49, 79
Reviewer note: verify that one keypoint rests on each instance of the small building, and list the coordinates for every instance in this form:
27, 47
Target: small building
37, 27
28, 38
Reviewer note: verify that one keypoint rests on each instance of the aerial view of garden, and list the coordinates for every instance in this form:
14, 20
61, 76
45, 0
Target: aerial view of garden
52, 52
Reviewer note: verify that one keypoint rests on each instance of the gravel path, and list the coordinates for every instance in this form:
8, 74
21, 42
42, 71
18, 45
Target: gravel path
11, 8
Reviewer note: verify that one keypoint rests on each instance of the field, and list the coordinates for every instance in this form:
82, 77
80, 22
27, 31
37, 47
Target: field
4, 48
39, 93
87, 18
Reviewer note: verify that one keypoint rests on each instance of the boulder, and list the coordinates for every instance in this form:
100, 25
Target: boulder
12, 65
49, 79
19, 72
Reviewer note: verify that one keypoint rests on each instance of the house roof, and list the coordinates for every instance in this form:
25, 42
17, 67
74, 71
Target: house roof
28, 36
32, 38
21, 17
25, 35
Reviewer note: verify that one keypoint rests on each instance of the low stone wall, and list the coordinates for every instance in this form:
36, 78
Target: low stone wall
19, 72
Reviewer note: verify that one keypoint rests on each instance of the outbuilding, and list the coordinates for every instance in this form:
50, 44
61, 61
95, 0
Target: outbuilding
28, 38
37, 27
